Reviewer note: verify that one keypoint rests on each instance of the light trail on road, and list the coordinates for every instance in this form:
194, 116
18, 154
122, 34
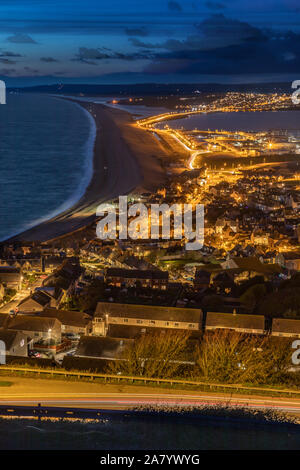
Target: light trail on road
97, 400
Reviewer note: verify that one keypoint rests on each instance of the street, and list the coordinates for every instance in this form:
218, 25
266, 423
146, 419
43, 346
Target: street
95, 395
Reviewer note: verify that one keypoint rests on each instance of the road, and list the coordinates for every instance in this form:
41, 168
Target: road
83, 394
127, 400
22, 294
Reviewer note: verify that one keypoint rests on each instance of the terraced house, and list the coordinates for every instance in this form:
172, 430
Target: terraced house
143, 318
237, 322
137, 278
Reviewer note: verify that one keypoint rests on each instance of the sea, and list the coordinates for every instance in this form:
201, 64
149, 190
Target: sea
257, 121
146, 434
46, 158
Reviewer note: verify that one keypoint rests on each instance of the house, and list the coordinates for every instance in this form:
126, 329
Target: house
136, 277
49, 263
36, 302
247, 267
290, 260
286, 327
54, 293
101, 347
77, 323
11, 277
259, 237
16, 342
223, 280
238, 322
2, 292
225, 222
145, 317
25, 263
37, 328
4, 319
65, 276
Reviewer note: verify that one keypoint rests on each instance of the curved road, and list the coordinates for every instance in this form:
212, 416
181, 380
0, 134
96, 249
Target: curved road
127, 400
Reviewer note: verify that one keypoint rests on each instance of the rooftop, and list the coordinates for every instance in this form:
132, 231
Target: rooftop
190, 315
137, 273
230, 320
67, 317
283, 325
32, 323
101, 347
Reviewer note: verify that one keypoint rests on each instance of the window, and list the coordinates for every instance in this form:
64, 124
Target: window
139, 321
125, 320
191, 325
176, 324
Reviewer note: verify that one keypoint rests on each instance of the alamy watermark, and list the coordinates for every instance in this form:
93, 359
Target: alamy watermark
2, 92
2, 352
156, 222
296, 93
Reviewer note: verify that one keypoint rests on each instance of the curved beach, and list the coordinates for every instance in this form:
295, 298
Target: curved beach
126, 158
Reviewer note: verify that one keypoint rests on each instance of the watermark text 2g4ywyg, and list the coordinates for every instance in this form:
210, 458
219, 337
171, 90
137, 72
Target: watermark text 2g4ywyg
156, 222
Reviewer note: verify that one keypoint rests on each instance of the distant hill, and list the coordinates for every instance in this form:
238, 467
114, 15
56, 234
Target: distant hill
155, 88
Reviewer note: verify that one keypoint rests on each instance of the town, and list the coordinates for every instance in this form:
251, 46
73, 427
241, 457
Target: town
80, 302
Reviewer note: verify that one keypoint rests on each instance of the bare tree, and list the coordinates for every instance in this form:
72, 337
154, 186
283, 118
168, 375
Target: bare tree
159, 354
228, 356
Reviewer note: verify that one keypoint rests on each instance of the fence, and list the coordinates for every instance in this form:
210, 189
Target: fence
150, 380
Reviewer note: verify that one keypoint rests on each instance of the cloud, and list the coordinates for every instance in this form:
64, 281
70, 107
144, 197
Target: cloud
9, 54
136, 32
289, 56
7, 72
30, 70
215, 5
92, 56
48, 59
138, 43
258, 57
225, 46
20, 38
215, 31
7, 61
174, 6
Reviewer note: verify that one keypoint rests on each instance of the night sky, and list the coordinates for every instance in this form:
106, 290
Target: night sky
122, 41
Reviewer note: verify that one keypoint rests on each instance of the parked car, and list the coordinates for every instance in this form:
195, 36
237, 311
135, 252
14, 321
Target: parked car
33, 353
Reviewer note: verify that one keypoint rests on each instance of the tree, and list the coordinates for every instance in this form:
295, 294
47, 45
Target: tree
232, 357
227, 356
153, 355
285, 302
253, 295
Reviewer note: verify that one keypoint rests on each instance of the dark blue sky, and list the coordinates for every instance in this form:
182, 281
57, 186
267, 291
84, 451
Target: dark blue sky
158, 40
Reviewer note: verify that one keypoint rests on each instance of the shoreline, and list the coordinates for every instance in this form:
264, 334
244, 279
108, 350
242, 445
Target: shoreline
75, 197
125, 158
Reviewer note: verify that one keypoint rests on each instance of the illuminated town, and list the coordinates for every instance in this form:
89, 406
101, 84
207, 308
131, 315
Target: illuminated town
149, 229
248, 183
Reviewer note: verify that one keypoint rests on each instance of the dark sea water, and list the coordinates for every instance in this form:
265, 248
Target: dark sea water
45, 158
142, 434
256, 121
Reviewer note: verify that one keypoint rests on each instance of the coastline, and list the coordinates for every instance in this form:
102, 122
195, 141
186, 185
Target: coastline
125, 158
80, 190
